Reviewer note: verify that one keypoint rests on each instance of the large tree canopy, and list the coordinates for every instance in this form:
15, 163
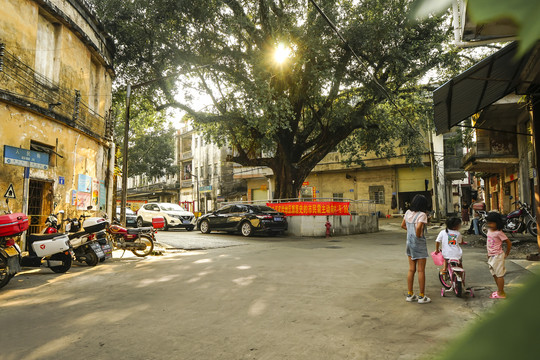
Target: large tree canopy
287, 114
151, 139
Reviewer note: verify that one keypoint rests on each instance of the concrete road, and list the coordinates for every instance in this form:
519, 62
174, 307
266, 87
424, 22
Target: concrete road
267, 298
194, 240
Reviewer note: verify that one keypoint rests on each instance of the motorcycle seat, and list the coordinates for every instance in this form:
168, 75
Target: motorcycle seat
76, 235
139, 230
37, 237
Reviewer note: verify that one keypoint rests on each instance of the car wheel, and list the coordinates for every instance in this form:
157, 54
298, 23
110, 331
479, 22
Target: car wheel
246, 229
205, 227
140, 222
166, 226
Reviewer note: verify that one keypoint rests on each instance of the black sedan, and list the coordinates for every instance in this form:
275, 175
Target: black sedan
131, 217
246, 219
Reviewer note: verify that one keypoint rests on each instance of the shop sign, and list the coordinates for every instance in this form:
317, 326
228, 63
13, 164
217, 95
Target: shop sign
311, 208
204, 189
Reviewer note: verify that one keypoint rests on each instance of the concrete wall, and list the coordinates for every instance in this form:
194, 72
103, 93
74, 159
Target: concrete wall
341, 225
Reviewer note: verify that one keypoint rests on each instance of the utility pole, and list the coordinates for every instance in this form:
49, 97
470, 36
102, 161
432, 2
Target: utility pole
126, 134
125, 159
534, 111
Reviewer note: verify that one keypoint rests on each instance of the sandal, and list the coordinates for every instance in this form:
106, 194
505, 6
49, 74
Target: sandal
495, 295
533, 257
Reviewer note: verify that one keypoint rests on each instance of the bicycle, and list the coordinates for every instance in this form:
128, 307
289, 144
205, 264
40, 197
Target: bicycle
453, 279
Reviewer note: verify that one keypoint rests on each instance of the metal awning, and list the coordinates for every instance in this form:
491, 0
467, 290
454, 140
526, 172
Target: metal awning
481, 85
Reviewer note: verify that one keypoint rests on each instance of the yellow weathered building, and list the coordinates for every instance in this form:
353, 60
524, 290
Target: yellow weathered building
55, 96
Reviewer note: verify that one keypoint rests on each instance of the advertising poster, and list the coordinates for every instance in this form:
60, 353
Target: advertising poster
84, 200
95, 193
102, 195
73, 197
84, 183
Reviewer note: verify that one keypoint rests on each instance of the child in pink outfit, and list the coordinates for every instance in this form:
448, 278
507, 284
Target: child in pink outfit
496, 254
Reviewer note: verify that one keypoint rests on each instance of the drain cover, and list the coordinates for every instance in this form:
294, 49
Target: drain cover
334, 247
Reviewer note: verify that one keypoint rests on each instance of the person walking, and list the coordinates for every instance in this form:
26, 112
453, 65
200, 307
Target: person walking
465, 211
414, 221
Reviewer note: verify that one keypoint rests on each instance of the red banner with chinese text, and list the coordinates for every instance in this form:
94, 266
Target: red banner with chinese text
311, 208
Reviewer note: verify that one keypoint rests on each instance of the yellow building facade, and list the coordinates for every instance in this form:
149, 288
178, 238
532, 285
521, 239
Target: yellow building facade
55, 98
388, 183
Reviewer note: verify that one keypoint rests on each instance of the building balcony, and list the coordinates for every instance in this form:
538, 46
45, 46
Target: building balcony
492, 152
186, 155
453, 168
491, 162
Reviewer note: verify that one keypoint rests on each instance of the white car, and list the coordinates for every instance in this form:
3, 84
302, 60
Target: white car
174, 215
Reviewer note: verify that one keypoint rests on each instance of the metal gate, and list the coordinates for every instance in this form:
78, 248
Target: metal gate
35, 205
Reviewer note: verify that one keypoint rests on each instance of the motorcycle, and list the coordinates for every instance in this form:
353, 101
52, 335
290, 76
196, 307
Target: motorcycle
90, 245
517, 221
140, 241
51, 224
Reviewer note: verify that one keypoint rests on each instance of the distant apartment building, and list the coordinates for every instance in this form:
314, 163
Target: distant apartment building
203, 182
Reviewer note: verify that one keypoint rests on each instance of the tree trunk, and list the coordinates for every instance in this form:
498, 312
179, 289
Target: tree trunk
287, 185
288, 178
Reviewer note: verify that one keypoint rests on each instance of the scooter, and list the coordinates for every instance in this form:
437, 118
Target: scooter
90, 245
49, 250
11, 226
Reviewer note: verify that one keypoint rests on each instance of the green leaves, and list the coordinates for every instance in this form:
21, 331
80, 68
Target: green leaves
524, 13
294, 112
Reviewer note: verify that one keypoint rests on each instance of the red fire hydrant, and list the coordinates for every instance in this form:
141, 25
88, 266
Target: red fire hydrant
328, 226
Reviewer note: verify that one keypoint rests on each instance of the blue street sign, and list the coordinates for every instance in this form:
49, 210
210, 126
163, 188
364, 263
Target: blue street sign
205, 188
26, 158
61, 180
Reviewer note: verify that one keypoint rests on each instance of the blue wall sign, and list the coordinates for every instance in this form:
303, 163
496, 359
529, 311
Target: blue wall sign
26, 158
205, 188
61, 180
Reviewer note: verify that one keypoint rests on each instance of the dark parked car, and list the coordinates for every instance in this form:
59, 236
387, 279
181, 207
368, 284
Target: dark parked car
246, 219
131, 217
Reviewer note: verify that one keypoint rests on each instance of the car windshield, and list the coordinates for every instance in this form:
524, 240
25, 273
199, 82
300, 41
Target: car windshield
261, 208
171, 207
128, 211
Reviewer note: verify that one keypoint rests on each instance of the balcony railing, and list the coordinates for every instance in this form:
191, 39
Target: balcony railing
187, 183
186, 155
21, 84
452, 162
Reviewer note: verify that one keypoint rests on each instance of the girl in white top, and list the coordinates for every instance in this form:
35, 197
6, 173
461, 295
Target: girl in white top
449, 240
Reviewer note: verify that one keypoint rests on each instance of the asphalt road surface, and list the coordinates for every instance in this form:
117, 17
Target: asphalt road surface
255, 298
